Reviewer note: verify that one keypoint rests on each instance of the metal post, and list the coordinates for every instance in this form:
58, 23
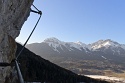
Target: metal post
20, 77
19, 72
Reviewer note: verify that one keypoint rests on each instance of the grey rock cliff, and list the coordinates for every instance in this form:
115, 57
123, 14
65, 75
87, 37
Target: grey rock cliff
13, 14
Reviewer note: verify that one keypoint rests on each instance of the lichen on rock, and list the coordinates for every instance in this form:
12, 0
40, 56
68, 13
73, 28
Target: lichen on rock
13, 14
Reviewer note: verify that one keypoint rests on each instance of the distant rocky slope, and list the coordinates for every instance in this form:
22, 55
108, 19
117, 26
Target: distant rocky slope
35, 68
95, 58
13, 13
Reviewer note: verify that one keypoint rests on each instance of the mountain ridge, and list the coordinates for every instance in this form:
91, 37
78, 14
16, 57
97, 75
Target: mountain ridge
36, 69
80, 58
55, 43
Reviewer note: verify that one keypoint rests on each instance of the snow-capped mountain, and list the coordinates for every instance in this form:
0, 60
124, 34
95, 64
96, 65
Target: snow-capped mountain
101, 55
106, 43
55, 44
102, 49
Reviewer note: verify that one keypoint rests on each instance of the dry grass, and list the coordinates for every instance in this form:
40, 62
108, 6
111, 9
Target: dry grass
113, 74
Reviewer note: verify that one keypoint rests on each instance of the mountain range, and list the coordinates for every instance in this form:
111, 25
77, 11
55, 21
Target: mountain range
83, 58
35, 69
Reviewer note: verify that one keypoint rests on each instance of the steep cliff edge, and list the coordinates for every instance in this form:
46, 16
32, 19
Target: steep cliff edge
13, 14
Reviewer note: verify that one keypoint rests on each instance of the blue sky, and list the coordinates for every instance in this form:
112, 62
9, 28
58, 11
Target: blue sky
77, 20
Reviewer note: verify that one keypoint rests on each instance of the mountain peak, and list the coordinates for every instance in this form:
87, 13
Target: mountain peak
101, 45
105, 43
109, 40
54, 42
52, 39
80, 43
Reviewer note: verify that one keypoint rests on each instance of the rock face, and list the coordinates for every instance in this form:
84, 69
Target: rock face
13, 14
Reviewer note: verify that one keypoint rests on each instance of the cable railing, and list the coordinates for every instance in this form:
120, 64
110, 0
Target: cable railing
5, 64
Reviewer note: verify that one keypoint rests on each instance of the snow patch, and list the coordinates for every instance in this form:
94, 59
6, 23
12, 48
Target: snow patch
55, 43
104, 57
104, 43
123, 46
121, 80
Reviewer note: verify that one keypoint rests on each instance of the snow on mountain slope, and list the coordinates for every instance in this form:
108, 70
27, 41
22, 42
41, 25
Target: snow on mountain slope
104, 46
123, 46
100, 50
83, 45
55, 43
105, 43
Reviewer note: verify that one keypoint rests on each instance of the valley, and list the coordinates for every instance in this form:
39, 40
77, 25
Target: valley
92, 67
104, 57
